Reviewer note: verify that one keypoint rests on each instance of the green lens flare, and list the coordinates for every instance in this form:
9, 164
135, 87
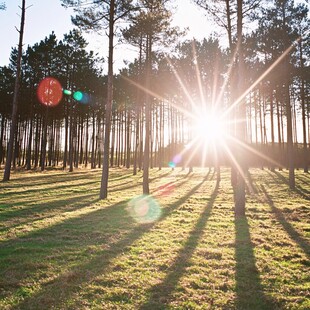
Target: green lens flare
67, 92
78, 96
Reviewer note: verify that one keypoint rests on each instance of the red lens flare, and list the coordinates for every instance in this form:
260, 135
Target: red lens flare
49, 92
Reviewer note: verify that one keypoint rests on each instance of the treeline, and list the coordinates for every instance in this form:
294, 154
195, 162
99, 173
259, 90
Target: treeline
72, 133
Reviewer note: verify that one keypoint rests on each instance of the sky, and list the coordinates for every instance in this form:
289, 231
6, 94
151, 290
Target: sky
45, 16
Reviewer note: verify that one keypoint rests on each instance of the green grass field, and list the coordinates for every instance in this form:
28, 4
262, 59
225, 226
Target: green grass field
63, 248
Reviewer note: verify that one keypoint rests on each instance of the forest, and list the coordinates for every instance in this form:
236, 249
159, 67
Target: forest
178, 181
189, 82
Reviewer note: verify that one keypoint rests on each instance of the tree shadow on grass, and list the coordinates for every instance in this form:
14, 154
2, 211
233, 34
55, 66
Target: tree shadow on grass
41, 179
305, 178
249, 290
304, 193
56, 292
251, 187
160, 294
303, 244
53, 186
39, 212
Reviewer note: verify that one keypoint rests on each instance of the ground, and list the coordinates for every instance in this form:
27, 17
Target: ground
63, 248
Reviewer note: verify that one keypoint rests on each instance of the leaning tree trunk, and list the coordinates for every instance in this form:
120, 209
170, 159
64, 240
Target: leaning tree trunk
7, 170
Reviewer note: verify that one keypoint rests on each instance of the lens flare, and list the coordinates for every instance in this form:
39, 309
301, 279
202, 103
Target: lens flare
144, 209
67, 92
49, 92
165, 190
177, 158
78, 95
171, 164
81, 97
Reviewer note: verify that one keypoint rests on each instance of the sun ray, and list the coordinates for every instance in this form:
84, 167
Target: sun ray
193, 153
202, 99
272, 66
234, 161
261, 155
179, 108
227, 77
183, 87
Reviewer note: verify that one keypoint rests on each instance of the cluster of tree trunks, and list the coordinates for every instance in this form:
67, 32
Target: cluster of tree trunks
144, 116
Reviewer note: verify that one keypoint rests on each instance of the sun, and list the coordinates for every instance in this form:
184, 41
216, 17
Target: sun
209, 127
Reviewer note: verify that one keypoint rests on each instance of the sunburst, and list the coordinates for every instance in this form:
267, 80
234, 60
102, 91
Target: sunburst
212, 127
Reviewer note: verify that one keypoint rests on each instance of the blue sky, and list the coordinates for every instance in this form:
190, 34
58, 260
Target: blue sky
45, 16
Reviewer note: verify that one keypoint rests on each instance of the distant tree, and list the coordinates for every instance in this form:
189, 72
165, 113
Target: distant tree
2, 6
6, 95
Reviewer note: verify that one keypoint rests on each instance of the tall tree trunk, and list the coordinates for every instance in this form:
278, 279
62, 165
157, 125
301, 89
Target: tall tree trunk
7, 169
128, 140
290, 146
71, 141
92, 164
37, 142
135, 160
29, 149
86, 142
81, 140
44, 140
113, 140
272, 130
3, 119
303, 109
288, 110
64, 164
241, 133
146, 158
105, 167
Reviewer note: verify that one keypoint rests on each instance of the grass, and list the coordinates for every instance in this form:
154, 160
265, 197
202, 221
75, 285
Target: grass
63, 248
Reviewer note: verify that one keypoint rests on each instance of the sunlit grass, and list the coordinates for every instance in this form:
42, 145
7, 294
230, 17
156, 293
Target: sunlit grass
62, 248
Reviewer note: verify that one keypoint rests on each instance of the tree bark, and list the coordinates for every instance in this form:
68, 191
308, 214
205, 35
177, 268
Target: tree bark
7, 169
241, 126
105, 167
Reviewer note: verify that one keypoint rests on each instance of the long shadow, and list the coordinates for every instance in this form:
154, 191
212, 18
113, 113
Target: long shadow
46, 179
120, 187
161, 176
51, 232
52, 187
116, 177
298, 189
251, 187
208, 174
303, 244
77, 200
160, 294
87, 270
249, 290
26, 215
167, 188
305, 179
35, 205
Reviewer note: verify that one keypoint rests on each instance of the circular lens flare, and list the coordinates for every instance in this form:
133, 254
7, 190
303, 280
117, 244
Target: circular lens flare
78, 96
171, 164
49, 92
144, 209
166, 189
